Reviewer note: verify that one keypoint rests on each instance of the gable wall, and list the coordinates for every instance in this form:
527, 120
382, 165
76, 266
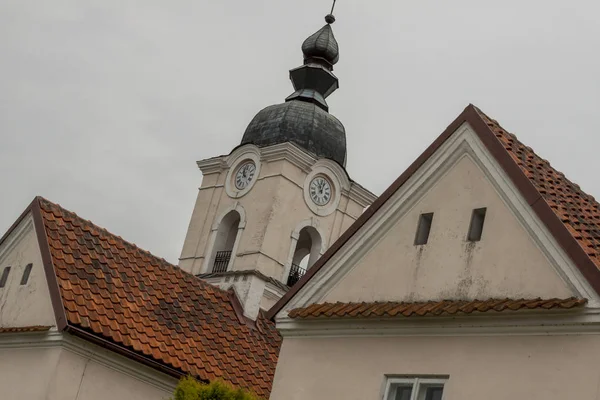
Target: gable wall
505, 263
29, 304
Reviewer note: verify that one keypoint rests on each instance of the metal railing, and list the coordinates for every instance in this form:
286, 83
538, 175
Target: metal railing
296, 272
221, 261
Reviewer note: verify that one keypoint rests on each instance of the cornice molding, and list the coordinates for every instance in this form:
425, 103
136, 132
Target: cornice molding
360, 195
298, 157
290, 152
212, 165
529, 322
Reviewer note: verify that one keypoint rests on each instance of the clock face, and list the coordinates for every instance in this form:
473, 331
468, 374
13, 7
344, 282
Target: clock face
244, 175
320, 191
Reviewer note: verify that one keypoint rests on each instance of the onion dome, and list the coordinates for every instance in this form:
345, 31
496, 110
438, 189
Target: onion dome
302, 123
304, 118
321, 46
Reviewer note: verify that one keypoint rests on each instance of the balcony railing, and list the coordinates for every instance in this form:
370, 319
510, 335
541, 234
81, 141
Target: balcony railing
296, 272
221, 261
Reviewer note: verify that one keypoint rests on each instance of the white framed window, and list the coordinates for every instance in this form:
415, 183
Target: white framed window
407, 388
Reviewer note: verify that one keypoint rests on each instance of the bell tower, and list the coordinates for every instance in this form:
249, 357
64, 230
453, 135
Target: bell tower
271, 207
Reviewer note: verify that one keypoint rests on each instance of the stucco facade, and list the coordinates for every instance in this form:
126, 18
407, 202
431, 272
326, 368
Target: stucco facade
56, 369
27, 304
506, 262
492, 367
273, 208
527, 354
272, 212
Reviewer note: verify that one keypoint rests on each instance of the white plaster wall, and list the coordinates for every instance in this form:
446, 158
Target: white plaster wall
491, 368
505, 263
29, 304
59, 374
25, 374
95, 382
274, 207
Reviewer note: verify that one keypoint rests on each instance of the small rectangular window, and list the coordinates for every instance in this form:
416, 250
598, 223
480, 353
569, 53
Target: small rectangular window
414, 389
476, 226
4, 277
26, 274
423, 228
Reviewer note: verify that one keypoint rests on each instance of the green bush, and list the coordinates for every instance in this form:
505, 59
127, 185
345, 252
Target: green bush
190, 389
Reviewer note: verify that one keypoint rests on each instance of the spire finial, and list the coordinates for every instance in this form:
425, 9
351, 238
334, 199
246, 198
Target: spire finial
329, 18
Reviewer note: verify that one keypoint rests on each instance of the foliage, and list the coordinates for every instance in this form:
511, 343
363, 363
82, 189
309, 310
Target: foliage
190, 389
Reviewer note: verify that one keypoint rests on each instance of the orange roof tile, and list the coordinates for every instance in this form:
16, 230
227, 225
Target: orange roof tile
123, 295
35, 328
577, 210
429, 308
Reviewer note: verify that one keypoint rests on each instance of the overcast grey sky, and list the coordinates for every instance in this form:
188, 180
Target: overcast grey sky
106, 105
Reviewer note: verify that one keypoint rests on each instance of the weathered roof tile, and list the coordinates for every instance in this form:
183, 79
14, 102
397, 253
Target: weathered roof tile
126, 295
429, 308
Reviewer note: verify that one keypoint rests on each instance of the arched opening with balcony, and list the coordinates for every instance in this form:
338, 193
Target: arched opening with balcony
224, 243
307, 251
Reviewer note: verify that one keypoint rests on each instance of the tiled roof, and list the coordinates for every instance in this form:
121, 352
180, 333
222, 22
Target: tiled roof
579, 211
35, 328
429, 308
122, 294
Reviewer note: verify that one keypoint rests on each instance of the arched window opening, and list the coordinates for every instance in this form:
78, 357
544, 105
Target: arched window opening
308, 250
225, 241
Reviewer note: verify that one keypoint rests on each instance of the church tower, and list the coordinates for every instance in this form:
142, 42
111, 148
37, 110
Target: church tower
271, 207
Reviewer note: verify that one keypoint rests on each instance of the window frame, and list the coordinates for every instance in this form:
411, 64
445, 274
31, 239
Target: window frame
416, 383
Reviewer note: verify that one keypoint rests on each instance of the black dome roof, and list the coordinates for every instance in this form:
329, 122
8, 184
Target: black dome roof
322, 44
302, 123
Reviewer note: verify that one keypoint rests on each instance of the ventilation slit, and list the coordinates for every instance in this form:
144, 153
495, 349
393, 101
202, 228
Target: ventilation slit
423, 228
476, 226
26, 274
4, 277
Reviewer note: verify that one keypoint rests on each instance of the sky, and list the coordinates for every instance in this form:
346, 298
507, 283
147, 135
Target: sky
105, 106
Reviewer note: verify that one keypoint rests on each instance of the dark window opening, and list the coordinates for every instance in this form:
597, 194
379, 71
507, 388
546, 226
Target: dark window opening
423, 229
225, 241
4, 277
476, 226
26, 274
296, 272
221, 261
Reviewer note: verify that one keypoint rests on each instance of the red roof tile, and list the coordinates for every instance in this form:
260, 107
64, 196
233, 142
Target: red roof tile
429, 308
126, 296
35, 328
577, 210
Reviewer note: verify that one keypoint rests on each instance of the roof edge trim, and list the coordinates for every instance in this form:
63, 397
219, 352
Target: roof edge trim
132, 355
53, 288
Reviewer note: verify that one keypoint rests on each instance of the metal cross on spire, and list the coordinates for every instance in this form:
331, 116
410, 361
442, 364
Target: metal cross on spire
329, 18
